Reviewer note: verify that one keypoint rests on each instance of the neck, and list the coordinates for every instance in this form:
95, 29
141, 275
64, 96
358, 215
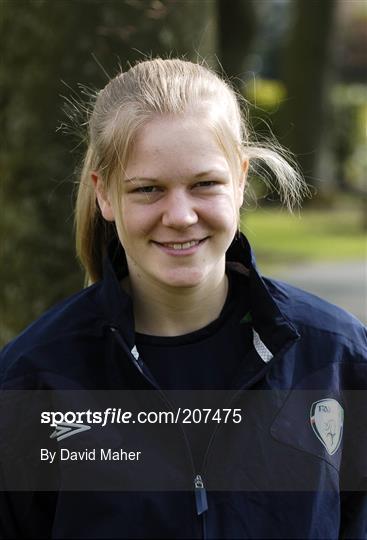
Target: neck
161, 311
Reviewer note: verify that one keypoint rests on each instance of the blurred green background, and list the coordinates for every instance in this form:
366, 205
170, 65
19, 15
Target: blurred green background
300, 63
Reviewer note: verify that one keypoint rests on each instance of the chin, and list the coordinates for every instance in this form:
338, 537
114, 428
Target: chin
183, 279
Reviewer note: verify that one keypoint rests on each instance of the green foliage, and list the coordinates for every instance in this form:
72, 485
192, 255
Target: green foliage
265, 94
346, 127
350, 121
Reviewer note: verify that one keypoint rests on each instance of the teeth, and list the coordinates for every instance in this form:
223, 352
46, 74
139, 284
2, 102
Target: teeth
186, 245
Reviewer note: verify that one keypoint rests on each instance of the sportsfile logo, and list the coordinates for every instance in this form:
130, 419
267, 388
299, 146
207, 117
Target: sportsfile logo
64, 430
72, 423
110, 415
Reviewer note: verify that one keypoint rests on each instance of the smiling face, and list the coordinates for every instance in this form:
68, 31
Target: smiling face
178, 206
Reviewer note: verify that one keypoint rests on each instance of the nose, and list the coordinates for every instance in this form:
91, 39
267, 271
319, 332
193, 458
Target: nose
178, 211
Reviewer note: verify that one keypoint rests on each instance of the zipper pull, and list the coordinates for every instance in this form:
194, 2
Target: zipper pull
200, 495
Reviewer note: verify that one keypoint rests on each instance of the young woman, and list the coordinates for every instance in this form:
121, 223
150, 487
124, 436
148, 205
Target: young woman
176, 316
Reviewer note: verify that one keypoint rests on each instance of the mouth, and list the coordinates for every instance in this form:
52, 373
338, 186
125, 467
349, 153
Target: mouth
187, 247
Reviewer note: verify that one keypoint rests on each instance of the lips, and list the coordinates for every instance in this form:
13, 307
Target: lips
185, 244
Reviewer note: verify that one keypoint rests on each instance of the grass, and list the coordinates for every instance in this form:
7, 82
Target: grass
279, 238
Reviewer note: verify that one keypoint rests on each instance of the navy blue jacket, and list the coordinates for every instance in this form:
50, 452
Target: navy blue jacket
295, 468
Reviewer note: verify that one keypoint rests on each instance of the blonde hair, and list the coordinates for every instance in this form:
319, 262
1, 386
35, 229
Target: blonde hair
165, 87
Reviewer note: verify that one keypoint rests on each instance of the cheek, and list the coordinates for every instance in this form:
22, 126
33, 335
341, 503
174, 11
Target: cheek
136, 221
222, 212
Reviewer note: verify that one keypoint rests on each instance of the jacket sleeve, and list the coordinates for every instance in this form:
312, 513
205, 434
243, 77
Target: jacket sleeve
8, 522
353, 524
26, 514
353, 499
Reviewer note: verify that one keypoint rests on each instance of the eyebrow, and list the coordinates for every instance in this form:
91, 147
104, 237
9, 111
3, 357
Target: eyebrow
198, 175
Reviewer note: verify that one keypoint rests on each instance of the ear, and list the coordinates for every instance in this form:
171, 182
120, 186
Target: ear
242, 182
102, 197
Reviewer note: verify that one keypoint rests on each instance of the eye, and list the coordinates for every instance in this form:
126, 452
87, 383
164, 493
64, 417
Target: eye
146, 189
206, 183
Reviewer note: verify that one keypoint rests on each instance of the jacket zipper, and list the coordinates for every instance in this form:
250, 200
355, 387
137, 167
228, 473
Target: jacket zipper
201, 500
199, 489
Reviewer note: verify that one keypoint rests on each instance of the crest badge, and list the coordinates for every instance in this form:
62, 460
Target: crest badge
326, 418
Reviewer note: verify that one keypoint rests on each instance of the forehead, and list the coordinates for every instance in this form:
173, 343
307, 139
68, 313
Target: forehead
169, 145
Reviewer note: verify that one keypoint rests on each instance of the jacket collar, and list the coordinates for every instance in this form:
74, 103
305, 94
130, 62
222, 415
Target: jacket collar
272, 326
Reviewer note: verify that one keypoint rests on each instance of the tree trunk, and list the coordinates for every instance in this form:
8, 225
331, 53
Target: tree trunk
306, 71
236, 30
